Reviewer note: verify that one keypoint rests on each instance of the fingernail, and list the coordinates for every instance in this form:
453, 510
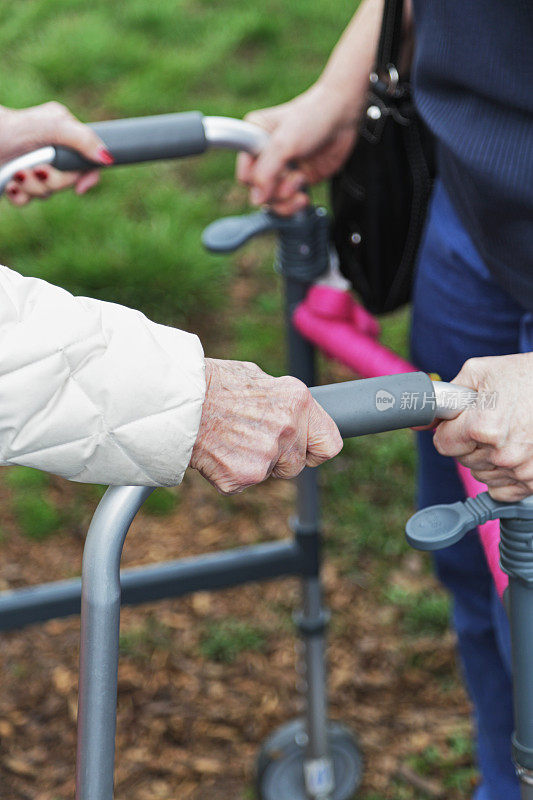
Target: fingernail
104, 156
12, 191
20, 177
41, 174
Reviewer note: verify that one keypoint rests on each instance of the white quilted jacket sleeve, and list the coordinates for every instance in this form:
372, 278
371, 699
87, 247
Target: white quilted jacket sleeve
93, 391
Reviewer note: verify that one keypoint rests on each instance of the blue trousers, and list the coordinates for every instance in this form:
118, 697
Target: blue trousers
460, 312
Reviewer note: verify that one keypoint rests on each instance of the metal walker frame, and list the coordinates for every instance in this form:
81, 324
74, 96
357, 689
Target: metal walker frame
312, 759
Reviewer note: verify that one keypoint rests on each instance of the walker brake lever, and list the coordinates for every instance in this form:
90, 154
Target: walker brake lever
229, 233
440, 526
303, 240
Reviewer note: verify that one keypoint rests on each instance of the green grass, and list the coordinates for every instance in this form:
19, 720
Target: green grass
368, 497
37, 516
452, 764
136, 238
225, 640
258, 336
141, 642
161, 502
422, 612
24, 478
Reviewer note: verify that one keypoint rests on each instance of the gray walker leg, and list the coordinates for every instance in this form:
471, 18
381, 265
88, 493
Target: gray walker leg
312, 621
521, 618
100, 621
440, 526
516, 549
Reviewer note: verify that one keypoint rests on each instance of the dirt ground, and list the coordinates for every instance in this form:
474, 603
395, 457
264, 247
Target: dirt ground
190, 727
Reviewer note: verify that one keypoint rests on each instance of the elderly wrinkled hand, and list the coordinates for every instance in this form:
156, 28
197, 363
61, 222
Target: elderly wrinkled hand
254, 426
494, 438
51, 123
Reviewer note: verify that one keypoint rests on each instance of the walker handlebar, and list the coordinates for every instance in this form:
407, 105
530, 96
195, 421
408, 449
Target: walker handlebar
391, 402
132, 141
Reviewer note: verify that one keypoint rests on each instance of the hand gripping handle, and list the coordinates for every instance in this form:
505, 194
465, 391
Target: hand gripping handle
132, 141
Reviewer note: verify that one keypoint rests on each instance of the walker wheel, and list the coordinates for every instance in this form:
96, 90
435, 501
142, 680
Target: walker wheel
280, 763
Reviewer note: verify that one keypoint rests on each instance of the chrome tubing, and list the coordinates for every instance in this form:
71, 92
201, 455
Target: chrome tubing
45, 155
234, 134
99, 640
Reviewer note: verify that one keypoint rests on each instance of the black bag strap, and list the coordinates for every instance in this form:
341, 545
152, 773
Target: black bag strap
390, 37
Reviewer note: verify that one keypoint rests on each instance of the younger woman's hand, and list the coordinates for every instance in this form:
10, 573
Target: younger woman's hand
51, 123
494, 438
311, 137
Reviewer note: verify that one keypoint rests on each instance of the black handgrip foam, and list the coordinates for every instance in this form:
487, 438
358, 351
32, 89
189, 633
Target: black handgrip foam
379, 404
132, 141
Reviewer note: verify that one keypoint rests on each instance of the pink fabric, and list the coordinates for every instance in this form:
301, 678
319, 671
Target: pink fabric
346, 332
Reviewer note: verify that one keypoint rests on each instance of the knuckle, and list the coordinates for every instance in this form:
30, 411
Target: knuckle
253, 367
56, 109
225, 484
255, 474
271, 454
298, 390
253, 116
329, 450
471, 363
282, 140
475, 366
224, 489
286, 422
335, 445
484, 431
277, 139
260, 474
524, 472
441, 443
506, 458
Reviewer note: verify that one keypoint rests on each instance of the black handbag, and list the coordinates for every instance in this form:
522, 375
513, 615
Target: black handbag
380, 196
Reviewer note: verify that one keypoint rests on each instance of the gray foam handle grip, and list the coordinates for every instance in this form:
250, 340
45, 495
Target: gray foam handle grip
378, 404
131, 141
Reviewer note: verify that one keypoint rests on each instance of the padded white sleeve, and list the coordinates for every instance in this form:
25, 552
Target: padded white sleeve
93, 391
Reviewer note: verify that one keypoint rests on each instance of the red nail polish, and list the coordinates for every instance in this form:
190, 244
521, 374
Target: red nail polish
41, 174
12, 191
20, 177
105, 157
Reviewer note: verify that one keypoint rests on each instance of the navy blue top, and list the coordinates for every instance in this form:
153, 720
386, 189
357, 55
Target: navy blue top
473, 85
